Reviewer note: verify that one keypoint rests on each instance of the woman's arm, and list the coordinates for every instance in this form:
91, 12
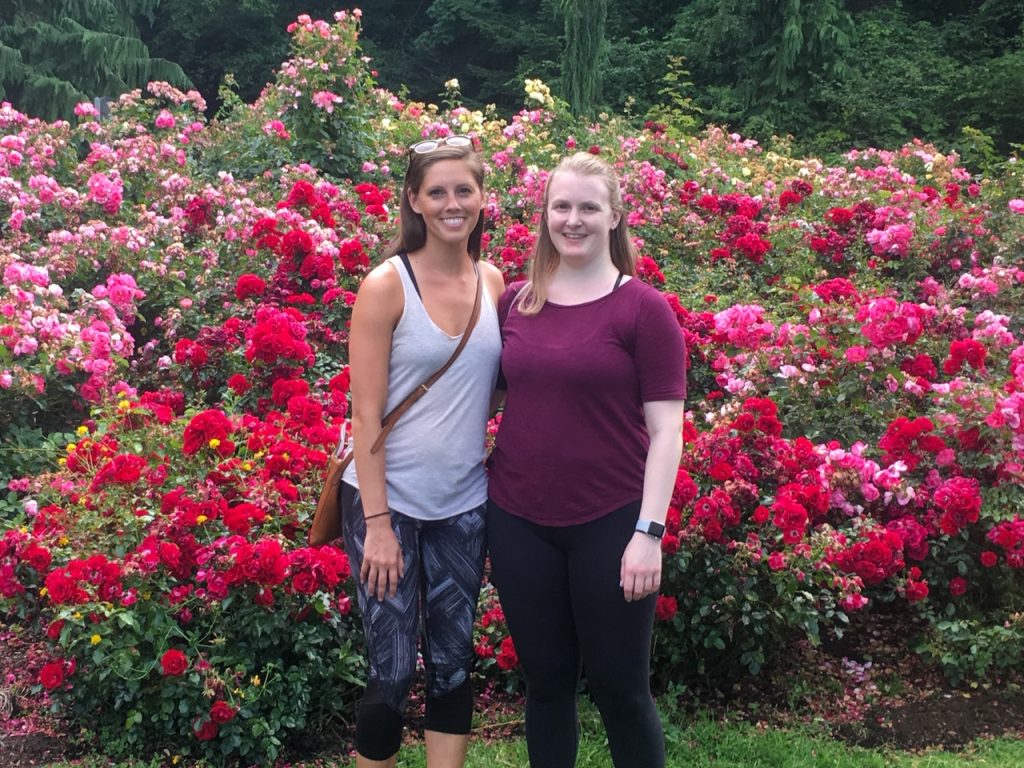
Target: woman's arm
494, 282
377, 309
640, 571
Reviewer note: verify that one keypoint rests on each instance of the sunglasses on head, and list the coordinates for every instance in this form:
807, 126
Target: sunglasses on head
429, 145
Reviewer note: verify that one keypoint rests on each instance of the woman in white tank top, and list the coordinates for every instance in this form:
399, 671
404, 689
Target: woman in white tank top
414, 511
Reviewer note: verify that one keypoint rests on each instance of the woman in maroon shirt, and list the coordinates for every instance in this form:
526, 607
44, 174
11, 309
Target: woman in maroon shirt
583, 469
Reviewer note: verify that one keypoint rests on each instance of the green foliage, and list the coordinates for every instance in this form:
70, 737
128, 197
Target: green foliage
978, 150
676, 108
54, 55
282, 672
25, 451
971, 650
323, 113
736, 612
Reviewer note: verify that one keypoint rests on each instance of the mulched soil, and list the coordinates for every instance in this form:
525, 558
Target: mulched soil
866, 689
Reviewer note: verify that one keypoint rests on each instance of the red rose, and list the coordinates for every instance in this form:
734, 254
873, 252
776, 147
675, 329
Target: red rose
989, 559
721, 471
957, 586
484, 650
670, 544
52, 675
249, 285
204, 427
304, 583
221, 712
236, 519
238, 384
916, 590
507, 656
37, 557
173, 663
205, 731
666, 608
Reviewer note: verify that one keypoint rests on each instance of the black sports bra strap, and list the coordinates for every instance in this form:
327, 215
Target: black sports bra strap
412, 275
618, 281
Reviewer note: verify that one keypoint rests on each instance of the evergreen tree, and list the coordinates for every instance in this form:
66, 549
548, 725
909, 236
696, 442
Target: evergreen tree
489, 45
584, 46
798, 40
56, 53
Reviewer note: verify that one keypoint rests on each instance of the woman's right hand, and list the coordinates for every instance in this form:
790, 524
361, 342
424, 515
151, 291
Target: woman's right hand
382, 559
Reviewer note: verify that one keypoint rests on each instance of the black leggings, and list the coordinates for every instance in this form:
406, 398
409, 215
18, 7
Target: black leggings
560, 591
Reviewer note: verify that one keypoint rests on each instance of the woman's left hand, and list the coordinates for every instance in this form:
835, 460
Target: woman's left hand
640, 571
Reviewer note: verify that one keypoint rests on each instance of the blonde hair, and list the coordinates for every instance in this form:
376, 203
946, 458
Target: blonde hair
412, 233
545, 258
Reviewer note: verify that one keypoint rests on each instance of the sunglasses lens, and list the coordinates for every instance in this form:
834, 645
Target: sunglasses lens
424, 147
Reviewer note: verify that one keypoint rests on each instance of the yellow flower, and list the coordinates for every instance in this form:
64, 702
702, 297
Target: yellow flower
255, 680
95, 639
77, 615
63, 541
71, 447
124, 405
247, 466
537, 91
43, 592
176, 759
62, 461
82, 431
214, 442
202, 519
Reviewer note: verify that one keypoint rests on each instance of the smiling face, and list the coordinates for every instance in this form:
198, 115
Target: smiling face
580, 216
450, 201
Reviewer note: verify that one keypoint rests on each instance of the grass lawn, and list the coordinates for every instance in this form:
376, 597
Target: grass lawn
695, 743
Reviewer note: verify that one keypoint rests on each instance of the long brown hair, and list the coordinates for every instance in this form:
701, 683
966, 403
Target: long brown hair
412, 234
545, 258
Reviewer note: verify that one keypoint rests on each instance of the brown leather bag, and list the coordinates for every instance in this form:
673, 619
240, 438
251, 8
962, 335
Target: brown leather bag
326, 525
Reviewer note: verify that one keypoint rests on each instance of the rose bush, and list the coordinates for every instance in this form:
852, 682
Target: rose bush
173, 319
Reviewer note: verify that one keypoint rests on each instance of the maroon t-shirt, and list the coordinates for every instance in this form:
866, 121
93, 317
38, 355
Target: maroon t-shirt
573, 442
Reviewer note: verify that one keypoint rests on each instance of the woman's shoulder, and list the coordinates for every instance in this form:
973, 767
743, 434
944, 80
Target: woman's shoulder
508, 297
493, 280
383, 285
642, 294
512, 289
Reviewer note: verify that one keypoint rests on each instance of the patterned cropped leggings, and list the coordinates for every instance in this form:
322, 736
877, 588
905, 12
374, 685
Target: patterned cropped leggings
436, 602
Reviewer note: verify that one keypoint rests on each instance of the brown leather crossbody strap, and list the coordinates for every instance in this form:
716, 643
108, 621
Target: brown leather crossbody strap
396, 413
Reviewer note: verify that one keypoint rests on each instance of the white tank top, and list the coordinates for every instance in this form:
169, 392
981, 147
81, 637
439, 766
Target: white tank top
434, 456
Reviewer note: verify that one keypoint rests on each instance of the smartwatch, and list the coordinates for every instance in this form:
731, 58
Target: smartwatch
651, 528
